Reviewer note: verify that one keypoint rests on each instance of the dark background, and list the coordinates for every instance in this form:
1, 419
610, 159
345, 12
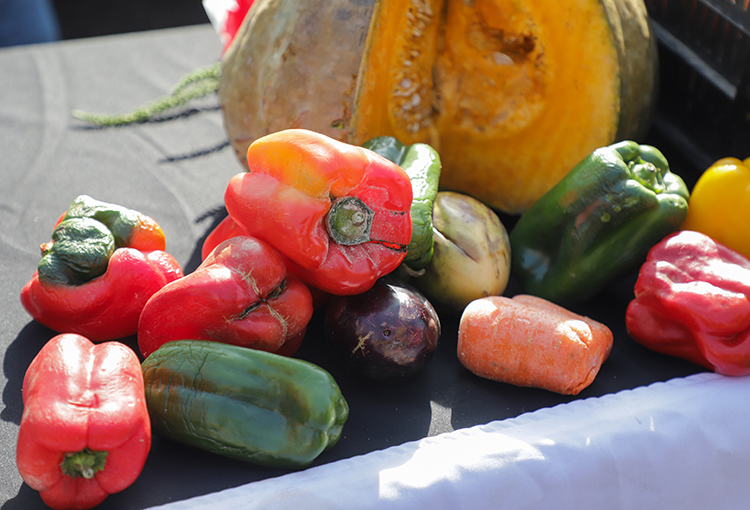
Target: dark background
90, 18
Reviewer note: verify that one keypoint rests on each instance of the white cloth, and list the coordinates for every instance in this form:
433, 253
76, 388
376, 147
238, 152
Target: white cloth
680, 444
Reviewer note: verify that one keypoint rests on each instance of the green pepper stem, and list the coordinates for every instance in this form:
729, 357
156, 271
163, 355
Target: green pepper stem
349, 221
85, 463
79, 252
647, 174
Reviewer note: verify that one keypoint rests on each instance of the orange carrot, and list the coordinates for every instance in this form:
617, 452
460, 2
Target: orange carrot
529, 341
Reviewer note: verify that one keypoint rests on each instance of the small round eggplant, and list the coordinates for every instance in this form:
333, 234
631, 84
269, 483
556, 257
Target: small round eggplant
471, 257
387, 334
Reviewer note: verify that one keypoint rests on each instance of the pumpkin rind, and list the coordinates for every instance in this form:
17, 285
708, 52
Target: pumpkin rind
293, 64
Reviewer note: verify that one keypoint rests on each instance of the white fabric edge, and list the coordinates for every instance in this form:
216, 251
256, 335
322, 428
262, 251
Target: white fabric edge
684, 443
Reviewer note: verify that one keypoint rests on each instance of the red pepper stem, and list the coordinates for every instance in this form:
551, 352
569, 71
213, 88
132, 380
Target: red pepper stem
349, 221
85, 463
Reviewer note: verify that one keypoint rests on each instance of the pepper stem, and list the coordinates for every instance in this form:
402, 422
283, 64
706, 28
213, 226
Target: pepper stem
85, 463
647, 174
349, 221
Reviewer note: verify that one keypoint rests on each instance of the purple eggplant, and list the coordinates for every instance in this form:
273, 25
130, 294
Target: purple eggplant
388, 333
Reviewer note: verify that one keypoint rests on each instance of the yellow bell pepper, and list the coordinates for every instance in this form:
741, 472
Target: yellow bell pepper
719, 204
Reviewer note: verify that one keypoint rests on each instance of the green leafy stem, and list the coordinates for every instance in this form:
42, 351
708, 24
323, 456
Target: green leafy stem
199, 83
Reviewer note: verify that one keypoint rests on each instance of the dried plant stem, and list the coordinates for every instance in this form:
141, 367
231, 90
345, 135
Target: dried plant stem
199, 83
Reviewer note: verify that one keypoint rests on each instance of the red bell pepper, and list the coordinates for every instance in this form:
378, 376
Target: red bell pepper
96, 274
85, 431
340, 213
227, 17
234, 18
227, 229
241, 294
692, 300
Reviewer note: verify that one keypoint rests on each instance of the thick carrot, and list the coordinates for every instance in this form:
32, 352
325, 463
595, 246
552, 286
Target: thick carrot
529, 341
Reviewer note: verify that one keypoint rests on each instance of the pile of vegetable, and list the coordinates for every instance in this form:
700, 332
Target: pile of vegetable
318, 224
375, 202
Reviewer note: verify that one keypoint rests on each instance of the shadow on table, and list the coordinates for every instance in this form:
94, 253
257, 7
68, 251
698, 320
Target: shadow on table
21, 501
380, 414
213, 217
18, 357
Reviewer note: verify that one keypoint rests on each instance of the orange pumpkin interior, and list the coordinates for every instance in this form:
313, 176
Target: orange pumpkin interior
518, 90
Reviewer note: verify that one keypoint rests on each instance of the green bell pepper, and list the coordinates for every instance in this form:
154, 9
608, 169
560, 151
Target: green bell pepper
422, 163
597, 223
243, 403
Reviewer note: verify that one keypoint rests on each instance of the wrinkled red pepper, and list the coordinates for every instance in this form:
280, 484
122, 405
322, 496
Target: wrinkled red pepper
85, 431
103, 263
227, 229
241, 294
692, 300
340, 213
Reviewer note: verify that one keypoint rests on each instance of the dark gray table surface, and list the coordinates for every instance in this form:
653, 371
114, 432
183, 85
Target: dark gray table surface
47, 159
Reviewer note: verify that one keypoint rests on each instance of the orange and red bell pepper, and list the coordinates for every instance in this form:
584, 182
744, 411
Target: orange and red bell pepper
241, 294
340, 214
85, 432
692, 300
103, 263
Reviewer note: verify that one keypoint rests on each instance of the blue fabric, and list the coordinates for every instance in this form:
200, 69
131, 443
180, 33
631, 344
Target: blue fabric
27, 22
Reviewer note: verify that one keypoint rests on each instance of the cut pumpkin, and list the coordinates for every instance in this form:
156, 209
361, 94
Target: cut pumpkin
513, 94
